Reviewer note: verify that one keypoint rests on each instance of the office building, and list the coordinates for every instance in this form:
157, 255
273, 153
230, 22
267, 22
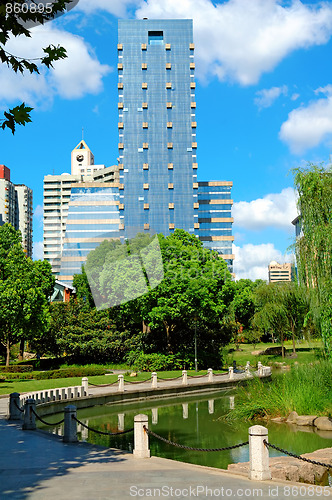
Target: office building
214, 218
280, 272
157, 125
57, 195
16, 207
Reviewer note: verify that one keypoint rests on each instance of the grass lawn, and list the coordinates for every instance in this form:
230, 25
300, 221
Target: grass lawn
307, 352
22, 386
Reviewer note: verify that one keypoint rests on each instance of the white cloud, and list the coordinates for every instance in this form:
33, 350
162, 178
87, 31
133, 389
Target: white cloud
240, 40
266, 97
116, 7
251, 261
79, 74
37, 250
307, 126
274, 210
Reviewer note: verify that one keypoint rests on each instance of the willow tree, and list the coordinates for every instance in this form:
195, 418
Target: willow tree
314, 246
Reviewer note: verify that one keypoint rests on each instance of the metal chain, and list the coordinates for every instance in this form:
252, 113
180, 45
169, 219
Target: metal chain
44, 422
191, 447
101, 432
197, 376
168, 379
137, 381
103, 385
18, 407
269, 445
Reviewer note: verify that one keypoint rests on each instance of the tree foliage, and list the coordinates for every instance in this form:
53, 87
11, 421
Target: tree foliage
24, 290
314, 247
14, 21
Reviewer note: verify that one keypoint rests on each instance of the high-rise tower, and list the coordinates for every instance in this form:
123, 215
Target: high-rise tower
157, 126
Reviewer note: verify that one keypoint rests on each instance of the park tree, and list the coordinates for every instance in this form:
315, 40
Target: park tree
314, 247
17, 17
177, 294
281, 308
24, 290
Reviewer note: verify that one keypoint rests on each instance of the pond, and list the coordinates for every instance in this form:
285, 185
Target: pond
193, 421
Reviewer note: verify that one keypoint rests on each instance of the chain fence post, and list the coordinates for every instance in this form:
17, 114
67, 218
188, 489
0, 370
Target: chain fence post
14, 407
154, 383
141, 438
29, 423
231, 372
85, 385
121, 383
70, 425
259, 469
210, 375
184, 377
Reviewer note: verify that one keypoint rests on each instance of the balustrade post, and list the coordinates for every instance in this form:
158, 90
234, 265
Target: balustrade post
231, 372
141, 438
184, 377
29, 423
85, 384
121, 383
154, 383
14, 407
68, 392
259, 469
70, 425
210, 375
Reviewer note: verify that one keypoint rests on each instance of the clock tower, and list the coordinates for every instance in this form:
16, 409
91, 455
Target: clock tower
82, 159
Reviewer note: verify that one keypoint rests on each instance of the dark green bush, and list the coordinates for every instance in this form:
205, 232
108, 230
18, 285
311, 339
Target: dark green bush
74, 371
154, 362
16, 368
17, 376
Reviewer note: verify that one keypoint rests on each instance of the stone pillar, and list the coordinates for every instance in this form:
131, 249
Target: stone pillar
68, 392
258, 454
259, 368
63, 394
184, 377
141, 438
57, 394
210, 375
51, 395
29, 423
121, 383
14, 407
185, 410
76, 392
70, 425
154, 415
154, 383
230, 372
247, 369
85, 384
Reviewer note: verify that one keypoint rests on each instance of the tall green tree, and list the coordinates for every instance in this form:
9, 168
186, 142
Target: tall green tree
314, 247
24, 290
15, 20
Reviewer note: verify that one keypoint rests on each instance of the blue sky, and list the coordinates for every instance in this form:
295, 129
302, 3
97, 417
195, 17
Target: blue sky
264, 104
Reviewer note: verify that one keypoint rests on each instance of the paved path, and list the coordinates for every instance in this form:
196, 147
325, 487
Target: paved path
36, 465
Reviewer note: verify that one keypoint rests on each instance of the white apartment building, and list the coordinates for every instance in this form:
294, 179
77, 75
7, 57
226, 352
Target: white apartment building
57, 191
16, 207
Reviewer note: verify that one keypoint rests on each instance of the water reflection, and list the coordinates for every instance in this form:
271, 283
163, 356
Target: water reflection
193, 422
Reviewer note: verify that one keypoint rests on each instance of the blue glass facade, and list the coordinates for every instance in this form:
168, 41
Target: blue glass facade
214, 218
157, 125
93, 216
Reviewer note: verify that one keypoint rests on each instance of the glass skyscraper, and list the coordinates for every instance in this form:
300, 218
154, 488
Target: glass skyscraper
215, 218
157, 126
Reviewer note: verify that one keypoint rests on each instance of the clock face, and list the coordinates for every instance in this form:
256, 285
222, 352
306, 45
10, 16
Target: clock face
79, 157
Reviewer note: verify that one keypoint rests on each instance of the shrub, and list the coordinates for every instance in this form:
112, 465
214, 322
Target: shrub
153, 362
16, 368
17, 376
73, 371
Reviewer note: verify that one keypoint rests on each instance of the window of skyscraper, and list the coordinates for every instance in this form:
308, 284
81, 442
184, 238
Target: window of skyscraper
156, 37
